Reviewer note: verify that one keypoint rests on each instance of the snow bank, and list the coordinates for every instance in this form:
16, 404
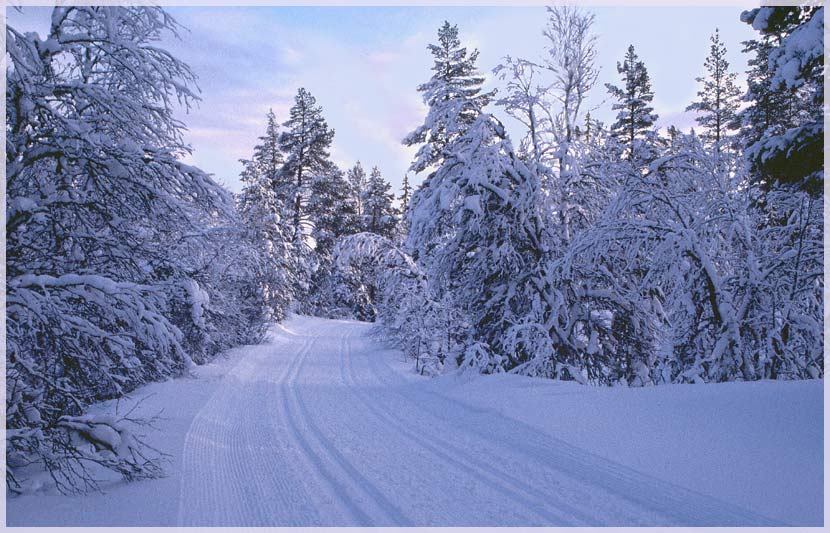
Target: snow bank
758, 445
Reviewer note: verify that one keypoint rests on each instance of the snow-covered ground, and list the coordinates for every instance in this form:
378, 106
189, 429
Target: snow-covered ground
323, 426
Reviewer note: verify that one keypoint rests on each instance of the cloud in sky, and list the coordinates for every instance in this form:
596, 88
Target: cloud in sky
363, 65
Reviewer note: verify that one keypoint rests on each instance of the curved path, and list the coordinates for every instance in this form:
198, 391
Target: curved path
318, 430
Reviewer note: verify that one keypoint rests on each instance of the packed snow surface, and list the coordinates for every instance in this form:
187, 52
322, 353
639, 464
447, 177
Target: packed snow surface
323, 426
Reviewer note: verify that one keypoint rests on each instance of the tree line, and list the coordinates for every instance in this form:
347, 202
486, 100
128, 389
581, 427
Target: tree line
300, 204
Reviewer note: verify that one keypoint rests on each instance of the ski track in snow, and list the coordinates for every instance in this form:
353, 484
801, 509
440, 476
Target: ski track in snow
321, 431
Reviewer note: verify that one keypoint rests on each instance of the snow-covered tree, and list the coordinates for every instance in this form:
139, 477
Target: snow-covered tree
526, 96
403, 202
332, 210
268, 157
405, 313
228, 288
784, 330
266, 231
635, 117
98, 204
719, 97
306, 145
263, 208
481, 205
571, 52
453, 95
783, 126
691, 240
570, 73
379, 215
356, 177
334, 214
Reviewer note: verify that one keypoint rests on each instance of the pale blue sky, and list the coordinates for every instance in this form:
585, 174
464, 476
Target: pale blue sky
364, 63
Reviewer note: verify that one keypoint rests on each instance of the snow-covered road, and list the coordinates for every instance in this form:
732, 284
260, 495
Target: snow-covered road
319, 430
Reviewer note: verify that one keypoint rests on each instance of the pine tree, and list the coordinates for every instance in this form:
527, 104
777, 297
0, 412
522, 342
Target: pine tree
453, 95
380, 216
719, 97
306, 147
635, 115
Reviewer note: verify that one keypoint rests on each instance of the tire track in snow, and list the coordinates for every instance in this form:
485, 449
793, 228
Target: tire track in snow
315, 460
289, 502
359, 494
522, 494
548, 492
674, 505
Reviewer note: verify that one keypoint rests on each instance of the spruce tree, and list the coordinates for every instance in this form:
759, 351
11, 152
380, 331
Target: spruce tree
263, 212
453, 95
476, 229
404, 199
406, 193
783, 128
333, 213
635, 116
719, 97
268, 157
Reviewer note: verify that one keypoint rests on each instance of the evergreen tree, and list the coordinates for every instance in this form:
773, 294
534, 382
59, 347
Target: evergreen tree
356, 177
263, 215
719, 97
481, 206
767, 109
635, 116
268, 157
333, 212
453, 95
306, 146
406, 193
783, 128
403, 200
380, 216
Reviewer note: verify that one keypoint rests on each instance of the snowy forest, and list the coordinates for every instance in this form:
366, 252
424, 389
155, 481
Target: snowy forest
612, 255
